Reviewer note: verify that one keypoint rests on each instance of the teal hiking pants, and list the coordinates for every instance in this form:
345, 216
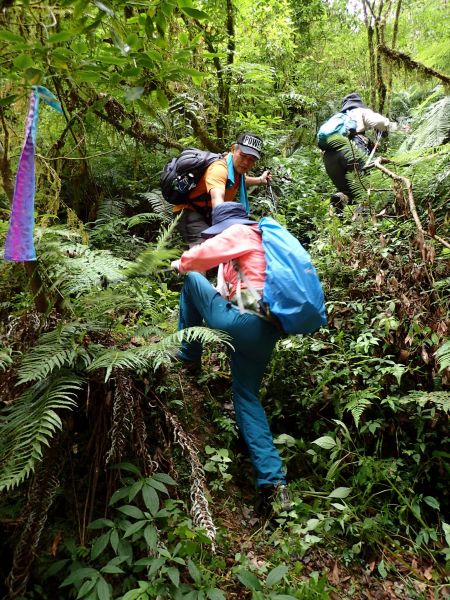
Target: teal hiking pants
253, 340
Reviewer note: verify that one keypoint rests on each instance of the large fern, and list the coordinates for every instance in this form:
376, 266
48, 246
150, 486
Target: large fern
71, 267
443, 356
54, 350
432, 126
358, 401
440, 399
153, 355
156, 256
27, 424
159, 205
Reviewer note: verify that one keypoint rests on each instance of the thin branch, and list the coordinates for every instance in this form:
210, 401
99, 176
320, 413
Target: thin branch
412, 205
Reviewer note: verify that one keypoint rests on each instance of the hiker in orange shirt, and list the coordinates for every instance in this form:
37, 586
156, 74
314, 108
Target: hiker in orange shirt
222, 181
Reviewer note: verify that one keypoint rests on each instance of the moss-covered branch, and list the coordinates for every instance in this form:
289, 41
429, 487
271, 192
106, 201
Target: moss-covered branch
404, 60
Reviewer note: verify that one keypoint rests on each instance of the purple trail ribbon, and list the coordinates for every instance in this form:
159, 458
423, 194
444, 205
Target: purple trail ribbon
19, 245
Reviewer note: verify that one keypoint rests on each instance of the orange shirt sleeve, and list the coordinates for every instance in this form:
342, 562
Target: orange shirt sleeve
215, 176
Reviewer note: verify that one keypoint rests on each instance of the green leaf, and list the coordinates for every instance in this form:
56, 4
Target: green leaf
432, 502
131, 511
276, 575
282, 597
87, 76
23, 61
249, 580
151, 536
119, 495
100, 523
134, 527
162, 99
382, 569
194, 572
157, 563
114, 540
340, 492
126, 466
135, 489
110, 59
194, 13
111, 569
134, 93
78, 575
446, 530
157, 485
8, 99
87, 586
9, 36
62, 36
151, 499
167, 479
34, 76
215, 594
174, 575
325, 442
100, 544
102, 590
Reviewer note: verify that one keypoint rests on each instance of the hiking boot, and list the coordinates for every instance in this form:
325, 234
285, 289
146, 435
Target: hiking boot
339, 200
193, 367
273, 500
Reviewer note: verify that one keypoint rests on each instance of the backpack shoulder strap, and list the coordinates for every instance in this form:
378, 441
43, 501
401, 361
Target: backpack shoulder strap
254, 292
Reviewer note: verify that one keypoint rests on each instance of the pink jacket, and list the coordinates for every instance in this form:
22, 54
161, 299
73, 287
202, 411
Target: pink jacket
238, 241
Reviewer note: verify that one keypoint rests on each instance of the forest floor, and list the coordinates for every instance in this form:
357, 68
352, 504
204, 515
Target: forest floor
410, 577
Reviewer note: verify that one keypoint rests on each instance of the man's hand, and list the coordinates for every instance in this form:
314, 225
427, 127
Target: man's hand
266, 177
175, 264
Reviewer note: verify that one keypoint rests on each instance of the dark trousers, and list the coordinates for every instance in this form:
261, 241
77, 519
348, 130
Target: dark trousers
339, 164
190, 226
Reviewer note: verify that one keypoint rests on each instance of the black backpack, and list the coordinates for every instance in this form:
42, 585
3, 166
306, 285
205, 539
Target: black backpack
182, 173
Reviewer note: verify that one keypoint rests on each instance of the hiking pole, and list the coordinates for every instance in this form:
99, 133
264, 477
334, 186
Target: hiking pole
272, 196
367, 165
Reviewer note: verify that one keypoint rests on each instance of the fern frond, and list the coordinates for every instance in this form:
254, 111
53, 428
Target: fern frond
144, 218
54, 350
443, 356
5, 358
358, 402
155, 257
158, 204
441, 400
103, 306
27, 425
74, 268
110, 208
154, 355
432, 129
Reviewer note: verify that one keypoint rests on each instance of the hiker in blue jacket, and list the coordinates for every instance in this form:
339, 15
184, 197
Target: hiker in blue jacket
337, 163
253, 337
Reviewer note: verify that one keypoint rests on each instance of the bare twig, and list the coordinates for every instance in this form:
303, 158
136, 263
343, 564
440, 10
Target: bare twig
411, 203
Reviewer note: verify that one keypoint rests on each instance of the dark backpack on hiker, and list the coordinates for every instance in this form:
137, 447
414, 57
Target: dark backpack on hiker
182, 173
340, 124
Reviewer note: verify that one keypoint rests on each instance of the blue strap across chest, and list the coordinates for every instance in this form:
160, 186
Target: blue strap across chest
243, 198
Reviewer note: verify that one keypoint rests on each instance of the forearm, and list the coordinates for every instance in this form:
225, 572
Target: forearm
263, 179
249, 181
